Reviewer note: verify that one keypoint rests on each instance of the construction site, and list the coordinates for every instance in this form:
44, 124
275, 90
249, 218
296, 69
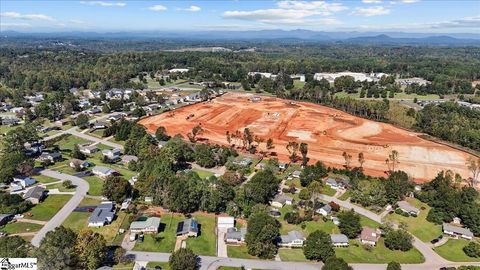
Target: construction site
328, 132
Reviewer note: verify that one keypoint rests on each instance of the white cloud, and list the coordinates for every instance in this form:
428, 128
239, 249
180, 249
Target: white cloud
409, 1
16, 15
77, 21
467, 22
158, 8
190, 9
103, 3
15, 25
299, 13
372, 1
371, 11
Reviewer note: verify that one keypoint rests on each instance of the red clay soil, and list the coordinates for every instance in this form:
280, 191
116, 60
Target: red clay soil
328, 133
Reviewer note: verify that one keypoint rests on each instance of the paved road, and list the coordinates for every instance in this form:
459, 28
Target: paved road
87, 137
57, 220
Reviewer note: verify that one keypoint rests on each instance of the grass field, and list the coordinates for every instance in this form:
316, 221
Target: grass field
60, 187
96, 185
328, 190
297, 84
165, 242
202, 173
20, 227
345, 195
292, 255
239, 252
69, 141
453, 251
419, 226
47, 209
44, 179
163, 265
205, 243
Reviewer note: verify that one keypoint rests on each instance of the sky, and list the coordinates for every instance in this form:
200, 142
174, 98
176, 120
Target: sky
436, 16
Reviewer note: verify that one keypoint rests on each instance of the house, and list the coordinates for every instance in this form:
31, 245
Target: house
339, 240
324, 210
338, 182
99, 125
148, 225
331, 183
125, 204
282, 166
291, 240
456, 231
35, 195
127, 158
103, 172
52, 157
369, 236
280, 200
93, 110
78, 163
24, 181
296, 174
15, 186
244, 162
112, 154
115, 117
408, 208
88, 149
225, 222
34, 147
102, 215
179, 70
235, 236
5, 218
188, 228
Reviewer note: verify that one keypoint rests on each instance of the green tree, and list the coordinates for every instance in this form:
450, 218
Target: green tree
334, 263
76, 153
57, 250
82, 121
394, 266
313, 173
472, 249
262, 187
13, 247
349, 223
398, 240
204, 156
116, 188
304, 152
183, 259
262, 234
318, 246
161, 134
91, 249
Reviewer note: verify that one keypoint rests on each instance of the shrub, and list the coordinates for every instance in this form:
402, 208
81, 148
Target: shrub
398, 240
472, 250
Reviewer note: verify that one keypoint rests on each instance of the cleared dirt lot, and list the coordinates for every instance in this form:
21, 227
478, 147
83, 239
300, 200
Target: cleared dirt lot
327, 131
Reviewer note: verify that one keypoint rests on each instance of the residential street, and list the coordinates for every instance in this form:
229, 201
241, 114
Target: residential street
57, 220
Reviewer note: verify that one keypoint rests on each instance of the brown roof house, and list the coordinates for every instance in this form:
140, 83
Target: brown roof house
369, 236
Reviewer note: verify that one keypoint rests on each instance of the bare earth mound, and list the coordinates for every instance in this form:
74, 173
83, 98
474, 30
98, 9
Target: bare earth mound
328, 133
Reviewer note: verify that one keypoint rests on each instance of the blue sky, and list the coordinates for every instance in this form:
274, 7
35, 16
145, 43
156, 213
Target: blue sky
331, 15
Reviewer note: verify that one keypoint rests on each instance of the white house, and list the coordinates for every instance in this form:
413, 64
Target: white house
280, 200
225, 222
88, 149
408, 208
179, 70
339, 240
24, 181
324, 210
457, 231
291, 240
112, 154
102, 172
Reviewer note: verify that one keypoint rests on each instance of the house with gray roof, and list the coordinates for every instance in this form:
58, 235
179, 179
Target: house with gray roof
5, 218
146, 225
187, 227
408, 208
88, 149
127, 158
23, 181
339, 240
291, 240
35, 195
456, 231
112, 154
280, 200
51, 157
102, 215
235, 236
102, 172
324, 210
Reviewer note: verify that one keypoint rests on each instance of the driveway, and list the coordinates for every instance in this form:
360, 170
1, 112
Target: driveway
221, 245
59, 218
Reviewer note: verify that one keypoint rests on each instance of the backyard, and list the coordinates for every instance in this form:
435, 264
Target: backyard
20, 227
45, 210
453, 251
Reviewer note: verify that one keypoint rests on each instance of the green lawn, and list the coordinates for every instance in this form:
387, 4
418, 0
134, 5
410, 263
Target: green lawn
239, 252
205, 243
297, 84
165, 242
356, 253
96, 185
60, 187
328, 190
124, 266
364, 221
202, 173
47, 209
418, 226
44, 179
292, 255
69, 141
89, 202
453, 251
345, 195
96, 133
163, 265
20, 227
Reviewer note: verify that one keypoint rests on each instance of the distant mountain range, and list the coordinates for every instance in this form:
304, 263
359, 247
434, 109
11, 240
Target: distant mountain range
386, 38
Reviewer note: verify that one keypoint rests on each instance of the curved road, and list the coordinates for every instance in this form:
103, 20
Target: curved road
57, 220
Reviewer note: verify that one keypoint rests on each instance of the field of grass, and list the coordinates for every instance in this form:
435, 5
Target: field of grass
239, 252
418, 226
44, 179
115, 141
356, 253
47, 209
20, 227
297, 84
345, 195
328, 190
205, 243
165, 242
453, 251
364, 221
60, 187
292, 255
202, 173
96, 133
96, 185
69, 141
